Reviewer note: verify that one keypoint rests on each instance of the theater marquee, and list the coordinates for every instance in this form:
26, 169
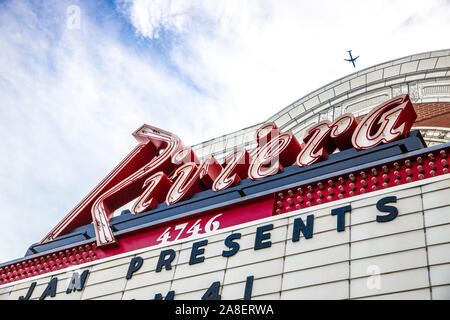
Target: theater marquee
278, 216
262, 240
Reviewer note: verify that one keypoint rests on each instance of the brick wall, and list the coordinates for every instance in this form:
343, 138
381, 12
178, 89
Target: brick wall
433, 114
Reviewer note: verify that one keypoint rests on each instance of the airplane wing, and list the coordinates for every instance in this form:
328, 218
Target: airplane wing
355, 58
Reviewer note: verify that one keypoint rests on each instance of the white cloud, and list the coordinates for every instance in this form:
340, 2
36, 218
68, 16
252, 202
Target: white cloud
70, 98
256, 57
149, 17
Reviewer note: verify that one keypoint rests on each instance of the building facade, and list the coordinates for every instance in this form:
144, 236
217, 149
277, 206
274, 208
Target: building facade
366, 224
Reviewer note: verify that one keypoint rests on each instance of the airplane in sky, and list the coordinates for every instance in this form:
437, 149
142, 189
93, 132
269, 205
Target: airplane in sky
352, 60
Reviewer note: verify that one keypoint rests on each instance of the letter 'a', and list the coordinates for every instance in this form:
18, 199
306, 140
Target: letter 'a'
385, 123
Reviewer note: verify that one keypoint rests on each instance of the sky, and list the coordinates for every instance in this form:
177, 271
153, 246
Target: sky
78, 77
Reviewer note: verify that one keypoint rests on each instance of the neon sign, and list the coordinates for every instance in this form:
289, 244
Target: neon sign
162, 170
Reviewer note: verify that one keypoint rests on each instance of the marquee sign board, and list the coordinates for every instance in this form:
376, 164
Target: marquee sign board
301, 227
178, 197
250, 254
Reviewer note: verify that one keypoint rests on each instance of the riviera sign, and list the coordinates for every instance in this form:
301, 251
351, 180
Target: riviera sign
162, 170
